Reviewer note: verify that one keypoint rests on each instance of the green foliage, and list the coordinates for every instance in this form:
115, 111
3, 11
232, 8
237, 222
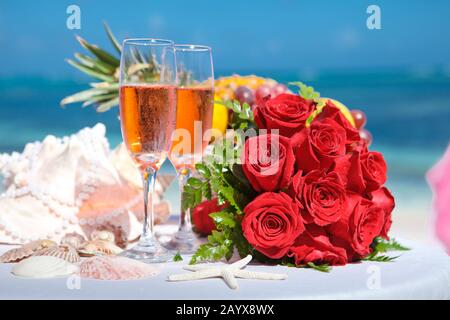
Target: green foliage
322, 267
381, 246
177, 257
242, 114
305, 91
379, 258
219, 246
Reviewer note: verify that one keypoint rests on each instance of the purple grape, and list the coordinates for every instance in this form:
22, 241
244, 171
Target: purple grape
366, 135
359, 117
262, 92
244, 94
278, 89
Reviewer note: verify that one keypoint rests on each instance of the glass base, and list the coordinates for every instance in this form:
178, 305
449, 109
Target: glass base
183, 242
148, 251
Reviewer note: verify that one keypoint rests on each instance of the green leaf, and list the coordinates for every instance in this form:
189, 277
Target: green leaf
90, 71
95, 64
243, 117
223, 219
112, 38
381, 245
219, 246
177, 257
305, 91
379, 258
99, 53
83, 96
99, 99
322, 267
203, 170
105, 106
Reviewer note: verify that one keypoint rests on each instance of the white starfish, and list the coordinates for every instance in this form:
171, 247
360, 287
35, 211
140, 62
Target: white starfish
227, 272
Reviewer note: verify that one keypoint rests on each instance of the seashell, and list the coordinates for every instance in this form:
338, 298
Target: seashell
73, 184
25, 251
104, 235
44, 267
120, 236
115, 268
73, 239
64, 252
99, 247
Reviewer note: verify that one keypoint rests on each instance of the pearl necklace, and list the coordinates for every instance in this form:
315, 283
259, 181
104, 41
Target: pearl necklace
89, 180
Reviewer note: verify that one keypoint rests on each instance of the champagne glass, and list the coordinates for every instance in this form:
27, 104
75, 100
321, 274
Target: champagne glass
148, 84
195, 103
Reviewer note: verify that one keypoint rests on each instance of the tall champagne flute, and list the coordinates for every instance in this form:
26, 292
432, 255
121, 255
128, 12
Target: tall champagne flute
148, 82
195, 102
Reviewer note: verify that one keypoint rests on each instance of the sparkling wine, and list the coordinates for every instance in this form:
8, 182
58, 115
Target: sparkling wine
194, 118
147, 117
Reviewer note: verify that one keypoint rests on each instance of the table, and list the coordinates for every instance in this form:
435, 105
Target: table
422, 273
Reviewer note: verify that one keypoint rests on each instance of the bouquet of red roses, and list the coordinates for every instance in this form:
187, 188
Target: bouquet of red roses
305, 191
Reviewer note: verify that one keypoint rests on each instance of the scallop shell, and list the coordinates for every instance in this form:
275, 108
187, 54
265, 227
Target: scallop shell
99, 247
64, 252
73, 239
17, 254
44, 267
115, 268
104, 235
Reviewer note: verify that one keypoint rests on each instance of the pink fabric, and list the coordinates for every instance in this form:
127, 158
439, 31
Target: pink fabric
439, 179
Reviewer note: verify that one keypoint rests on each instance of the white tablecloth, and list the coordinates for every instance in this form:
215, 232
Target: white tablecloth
422, 273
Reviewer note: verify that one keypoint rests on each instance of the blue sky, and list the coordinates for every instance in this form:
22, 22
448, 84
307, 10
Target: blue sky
248, 35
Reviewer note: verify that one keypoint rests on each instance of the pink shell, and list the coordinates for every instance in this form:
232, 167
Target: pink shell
115, 268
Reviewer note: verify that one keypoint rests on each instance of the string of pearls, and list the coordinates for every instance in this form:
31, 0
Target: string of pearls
89, 180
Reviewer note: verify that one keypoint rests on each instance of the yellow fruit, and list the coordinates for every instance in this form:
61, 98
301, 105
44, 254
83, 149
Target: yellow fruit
345, 111
220, 117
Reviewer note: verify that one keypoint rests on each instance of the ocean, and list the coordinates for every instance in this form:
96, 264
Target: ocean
408, 115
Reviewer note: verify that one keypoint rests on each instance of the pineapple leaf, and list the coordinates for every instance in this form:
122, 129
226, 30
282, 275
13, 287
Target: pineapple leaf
99, 53
105, 106
83, 96
105, 86
112, 38
91, 71
95, 64
99, 99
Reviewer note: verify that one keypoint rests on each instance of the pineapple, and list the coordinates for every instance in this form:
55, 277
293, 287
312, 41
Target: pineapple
104, 66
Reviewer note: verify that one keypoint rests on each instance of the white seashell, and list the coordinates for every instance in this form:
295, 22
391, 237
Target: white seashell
45, 183
44, 267
99, 247
64, 252
103, 235
116, 268
73, 239
17, 254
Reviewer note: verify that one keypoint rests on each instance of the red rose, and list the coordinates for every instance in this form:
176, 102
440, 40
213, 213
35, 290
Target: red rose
322, 196
271, 223
374, 170
319, 145
330, 111
286, 112
349, 169
203, 223
268, 162
358, 227
313, 245
384, 199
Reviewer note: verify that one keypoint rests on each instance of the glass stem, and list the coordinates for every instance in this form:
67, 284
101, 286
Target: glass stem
148, 181
185, 215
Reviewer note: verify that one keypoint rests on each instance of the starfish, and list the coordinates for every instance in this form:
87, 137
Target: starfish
229, 273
